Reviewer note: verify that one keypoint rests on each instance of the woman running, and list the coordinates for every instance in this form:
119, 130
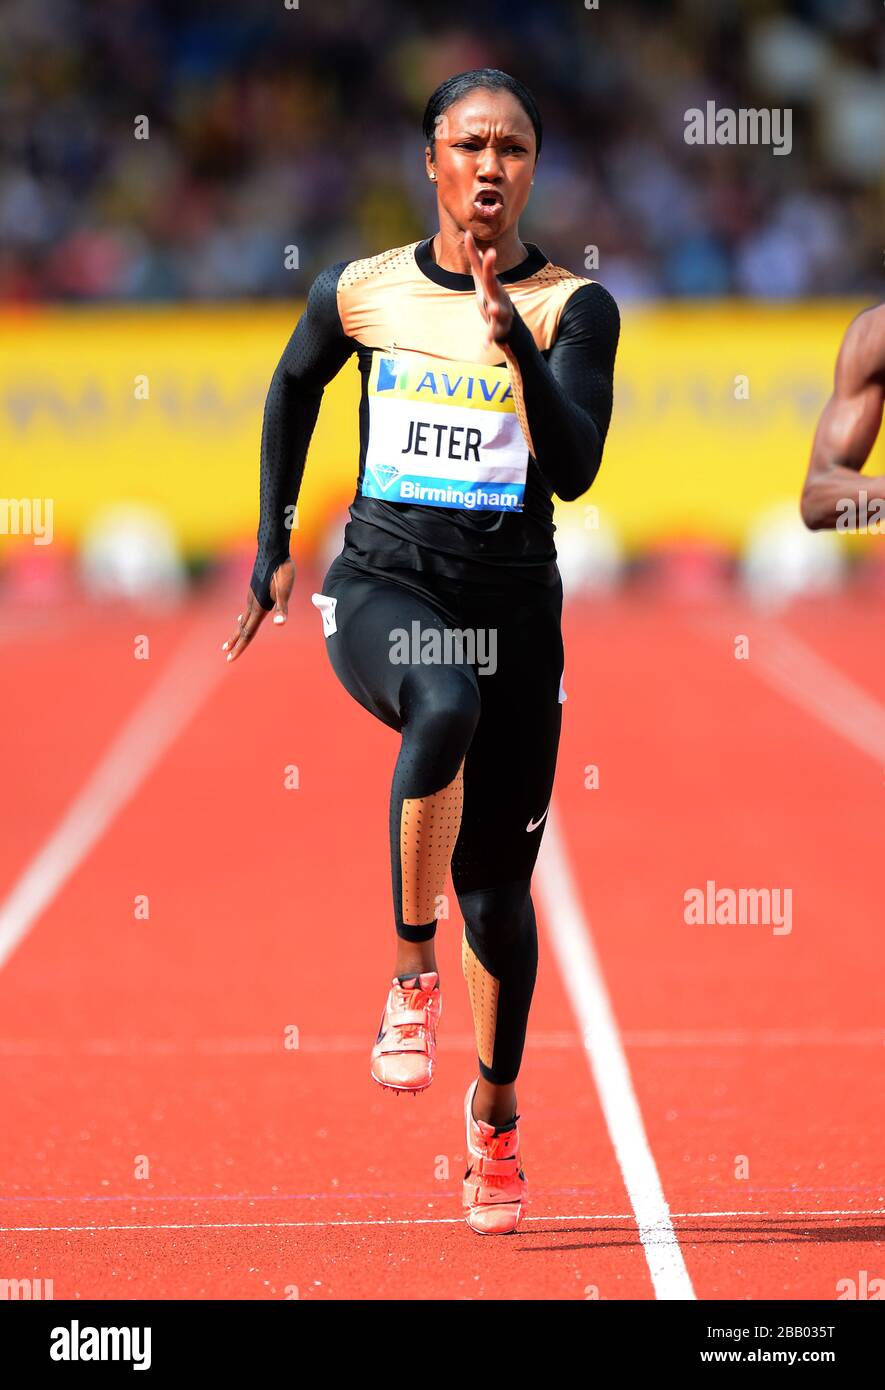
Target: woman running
486, 388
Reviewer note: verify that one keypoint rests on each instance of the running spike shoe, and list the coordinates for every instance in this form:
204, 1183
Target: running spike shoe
404, 1051
495, 1188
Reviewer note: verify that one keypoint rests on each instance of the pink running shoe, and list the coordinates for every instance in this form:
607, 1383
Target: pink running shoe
495, 1187
404, 1052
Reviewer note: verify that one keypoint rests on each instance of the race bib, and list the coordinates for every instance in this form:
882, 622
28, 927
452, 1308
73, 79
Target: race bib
443, 434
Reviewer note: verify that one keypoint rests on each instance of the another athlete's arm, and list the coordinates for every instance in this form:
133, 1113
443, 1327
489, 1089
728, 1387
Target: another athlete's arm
315, 353
565, 402
848, 426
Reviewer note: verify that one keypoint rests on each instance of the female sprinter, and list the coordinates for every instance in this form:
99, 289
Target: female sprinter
486, 389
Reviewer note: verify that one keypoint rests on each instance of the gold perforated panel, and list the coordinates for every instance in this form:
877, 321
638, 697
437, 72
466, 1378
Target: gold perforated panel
371, 268
387, 302
483, 990
428, 830
540, 309
518, 399
542, 298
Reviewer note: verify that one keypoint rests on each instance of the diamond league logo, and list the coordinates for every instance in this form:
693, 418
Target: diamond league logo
385, 474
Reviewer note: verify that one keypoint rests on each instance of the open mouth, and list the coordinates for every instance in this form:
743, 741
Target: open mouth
488, 202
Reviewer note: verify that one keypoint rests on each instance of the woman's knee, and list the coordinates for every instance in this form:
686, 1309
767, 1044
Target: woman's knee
441, 713
500, 922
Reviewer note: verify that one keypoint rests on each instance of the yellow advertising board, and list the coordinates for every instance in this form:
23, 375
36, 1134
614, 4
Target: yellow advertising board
715, 408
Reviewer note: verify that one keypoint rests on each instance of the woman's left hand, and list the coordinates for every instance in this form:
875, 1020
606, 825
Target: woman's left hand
495, 304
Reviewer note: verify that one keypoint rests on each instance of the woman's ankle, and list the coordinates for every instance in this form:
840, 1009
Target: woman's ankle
494, 1105
413, 964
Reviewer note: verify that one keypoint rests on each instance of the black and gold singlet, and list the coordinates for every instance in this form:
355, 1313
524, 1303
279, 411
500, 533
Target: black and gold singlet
462, 446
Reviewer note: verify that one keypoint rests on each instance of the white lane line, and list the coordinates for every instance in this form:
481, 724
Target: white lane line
799, 673
154, 724
569, 931
629, 1216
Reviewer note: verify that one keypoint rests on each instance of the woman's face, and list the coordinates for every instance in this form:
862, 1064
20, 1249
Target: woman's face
484, 162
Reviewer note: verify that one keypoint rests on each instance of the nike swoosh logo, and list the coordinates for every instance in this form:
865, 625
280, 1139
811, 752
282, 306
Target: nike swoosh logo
533, 824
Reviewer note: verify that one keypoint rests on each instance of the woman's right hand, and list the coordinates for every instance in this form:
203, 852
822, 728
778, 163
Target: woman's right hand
250, 620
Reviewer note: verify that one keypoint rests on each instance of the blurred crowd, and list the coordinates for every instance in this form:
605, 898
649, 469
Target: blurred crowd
275, 125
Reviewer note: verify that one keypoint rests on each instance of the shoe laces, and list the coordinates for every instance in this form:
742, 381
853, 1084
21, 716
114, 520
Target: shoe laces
496, 1147
409, 1000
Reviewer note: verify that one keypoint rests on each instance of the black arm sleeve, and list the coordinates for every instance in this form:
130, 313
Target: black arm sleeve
567, 399
315, 353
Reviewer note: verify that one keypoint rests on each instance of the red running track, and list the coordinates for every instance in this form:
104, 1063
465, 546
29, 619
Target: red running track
162, 1141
